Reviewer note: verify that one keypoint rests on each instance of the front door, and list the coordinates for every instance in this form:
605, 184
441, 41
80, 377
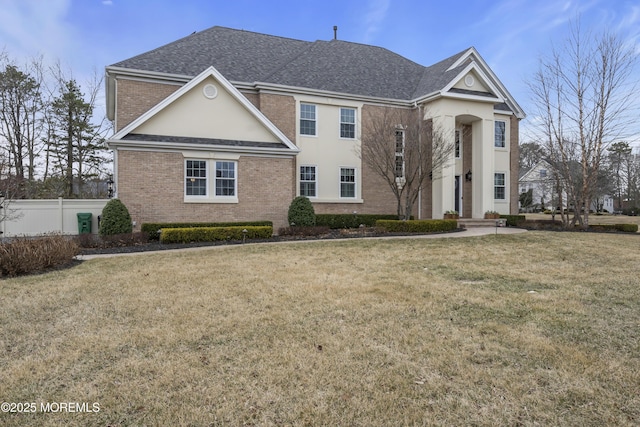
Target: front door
458, 196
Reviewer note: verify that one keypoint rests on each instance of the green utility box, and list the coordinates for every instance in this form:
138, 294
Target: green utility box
84, 223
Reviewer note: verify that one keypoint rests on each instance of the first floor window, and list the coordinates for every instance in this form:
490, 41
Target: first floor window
500, 132
457, 147
308, 181
225, 178
348, 182
499, 187
399, 173
347, 123
196, 178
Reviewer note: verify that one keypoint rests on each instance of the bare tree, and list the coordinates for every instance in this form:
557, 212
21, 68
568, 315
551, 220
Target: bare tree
406, 151
583, 99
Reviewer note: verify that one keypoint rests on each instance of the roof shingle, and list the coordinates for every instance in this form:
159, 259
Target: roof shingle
335, 66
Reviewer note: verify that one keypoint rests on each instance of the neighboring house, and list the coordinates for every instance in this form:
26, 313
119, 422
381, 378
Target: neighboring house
230, 125
539, 179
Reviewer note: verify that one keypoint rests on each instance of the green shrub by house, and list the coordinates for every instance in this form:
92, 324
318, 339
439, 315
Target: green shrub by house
153, 228
301, 212
418, 226
335, 221
213, 234
514, 220
115, 219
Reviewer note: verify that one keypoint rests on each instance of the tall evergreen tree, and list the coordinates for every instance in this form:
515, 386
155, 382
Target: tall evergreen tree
76, 145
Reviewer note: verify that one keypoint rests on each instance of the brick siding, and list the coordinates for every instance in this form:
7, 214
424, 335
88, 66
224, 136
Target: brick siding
151, 185
134, 98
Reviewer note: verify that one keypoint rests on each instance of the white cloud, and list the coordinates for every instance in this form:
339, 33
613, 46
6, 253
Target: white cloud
107, 2
32, 27
375, 15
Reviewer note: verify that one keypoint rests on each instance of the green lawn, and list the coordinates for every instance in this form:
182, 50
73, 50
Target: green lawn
529, 329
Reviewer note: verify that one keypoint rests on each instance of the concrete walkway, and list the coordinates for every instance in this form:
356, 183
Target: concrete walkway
470, 232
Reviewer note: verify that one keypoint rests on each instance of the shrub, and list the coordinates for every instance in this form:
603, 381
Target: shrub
317, 230
212, 234
301, 212
29, 255
116, 240
335, 221
115, 219
152, 229
625, 228
418, 226
514, 220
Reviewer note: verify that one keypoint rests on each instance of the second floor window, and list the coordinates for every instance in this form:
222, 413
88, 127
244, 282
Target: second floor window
500, 133
347, 123
308, 119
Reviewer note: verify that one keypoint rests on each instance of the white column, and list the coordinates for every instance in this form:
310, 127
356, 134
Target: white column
482, 167
443, 183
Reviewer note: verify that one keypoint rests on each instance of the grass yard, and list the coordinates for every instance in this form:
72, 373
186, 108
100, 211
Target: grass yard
529, 329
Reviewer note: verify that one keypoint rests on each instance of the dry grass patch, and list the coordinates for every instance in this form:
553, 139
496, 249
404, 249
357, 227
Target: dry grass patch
531, 329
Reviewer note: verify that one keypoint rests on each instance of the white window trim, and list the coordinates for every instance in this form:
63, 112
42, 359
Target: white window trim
355, 183
506, 187
211, 182
316, 181
355, 123
315, 106
207, 174
235, 180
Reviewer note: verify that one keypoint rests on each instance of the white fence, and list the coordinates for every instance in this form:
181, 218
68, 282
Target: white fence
36, 217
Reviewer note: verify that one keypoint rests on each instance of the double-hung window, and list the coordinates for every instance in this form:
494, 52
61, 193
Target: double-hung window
225, 179
499, 186
500, 133
196, 178
347, 182
308, 119
308, 181
347, 123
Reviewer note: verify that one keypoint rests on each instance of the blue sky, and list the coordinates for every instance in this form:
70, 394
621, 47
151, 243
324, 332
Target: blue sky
87, 35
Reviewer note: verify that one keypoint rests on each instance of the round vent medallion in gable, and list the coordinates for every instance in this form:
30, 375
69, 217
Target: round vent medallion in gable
210, 91
469, 80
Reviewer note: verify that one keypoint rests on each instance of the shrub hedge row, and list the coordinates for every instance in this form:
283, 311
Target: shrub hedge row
417, 226
626, 228
33, 255
335, 221
153, 228
212, 234
514, 220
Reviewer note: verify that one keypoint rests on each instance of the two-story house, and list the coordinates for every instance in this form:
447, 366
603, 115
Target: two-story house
231, 125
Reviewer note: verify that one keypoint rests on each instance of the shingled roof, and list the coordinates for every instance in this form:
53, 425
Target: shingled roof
335, 66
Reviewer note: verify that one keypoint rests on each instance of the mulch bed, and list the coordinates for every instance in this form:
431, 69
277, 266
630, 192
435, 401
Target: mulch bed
157, 246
